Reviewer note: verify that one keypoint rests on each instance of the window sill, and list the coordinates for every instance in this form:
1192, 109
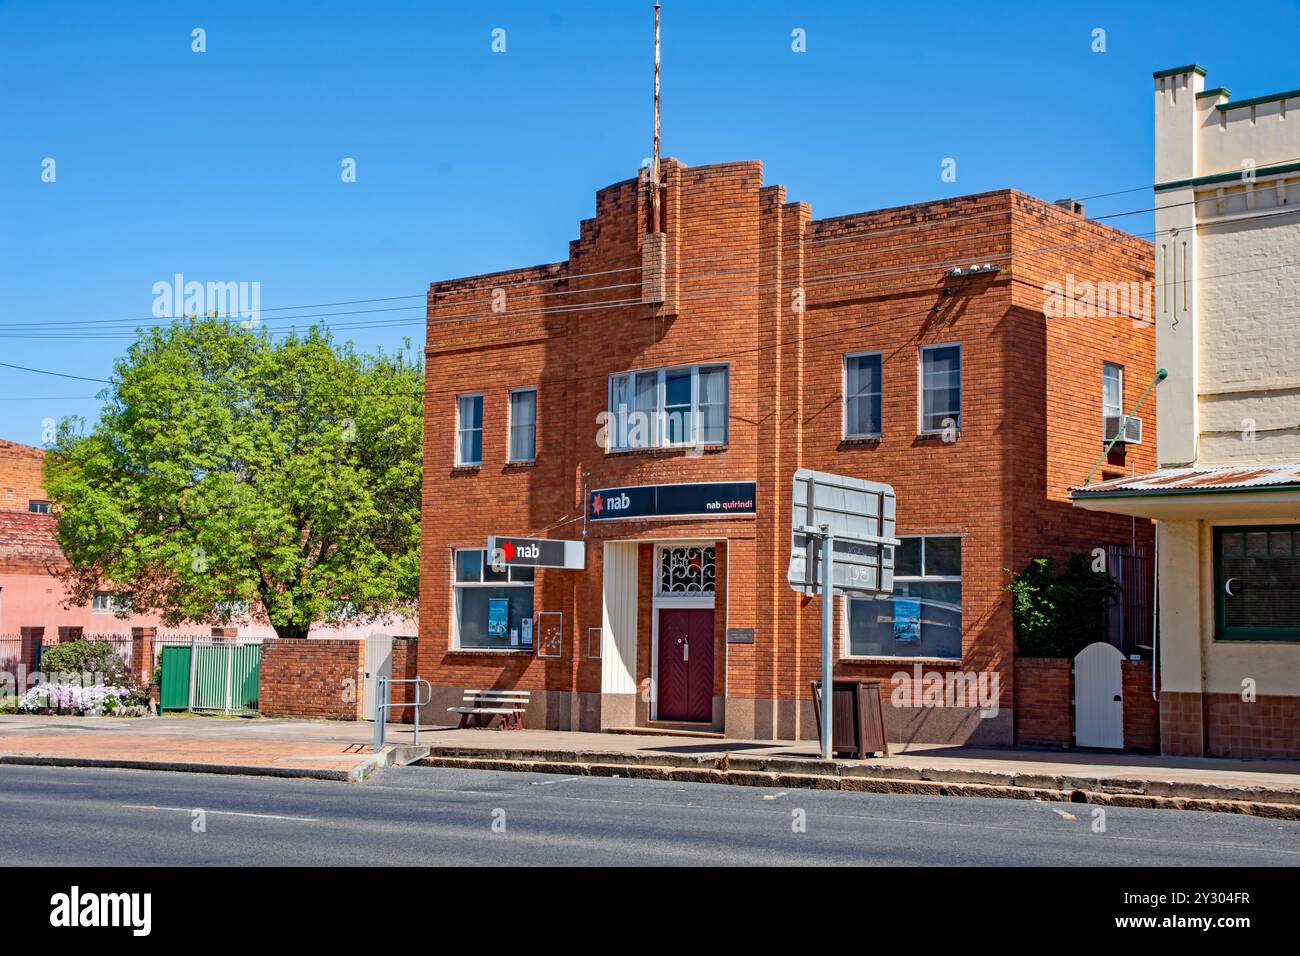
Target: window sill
466, 469
860, 440
937, 436
490, 652
521, 465
669, 450
1257, 639
884, 659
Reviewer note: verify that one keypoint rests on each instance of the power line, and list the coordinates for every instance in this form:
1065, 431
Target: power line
793, 244
41, 371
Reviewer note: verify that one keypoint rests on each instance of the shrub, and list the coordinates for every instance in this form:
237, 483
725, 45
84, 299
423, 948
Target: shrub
88, 657
1057, 613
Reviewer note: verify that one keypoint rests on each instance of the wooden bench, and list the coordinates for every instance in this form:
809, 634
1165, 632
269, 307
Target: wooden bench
479, 707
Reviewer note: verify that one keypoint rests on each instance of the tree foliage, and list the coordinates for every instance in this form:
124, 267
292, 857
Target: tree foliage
233, 470
1059, 612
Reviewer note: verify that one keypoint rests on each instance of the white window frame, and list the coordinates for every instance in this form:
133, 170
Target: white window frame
844, 392
1118, 411
481, 583
920, 387
616, 427
38, 506
461, 463
113, 603
510, 425
846, 631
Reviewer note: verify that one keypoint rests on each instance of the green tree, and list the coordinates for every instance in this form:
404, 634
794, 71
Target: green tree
231, 469
1057, 613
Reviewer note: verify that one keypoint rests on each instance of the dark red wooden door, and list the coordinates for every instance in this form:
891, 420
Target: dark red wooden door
686, 664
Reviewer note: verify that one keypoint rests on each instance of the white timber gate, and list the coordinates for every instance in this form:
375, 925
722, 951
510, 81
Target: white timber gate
379, 663
1099, 697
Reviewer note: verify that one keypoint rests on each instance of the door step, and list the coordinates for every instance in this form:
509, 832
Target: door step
659, 728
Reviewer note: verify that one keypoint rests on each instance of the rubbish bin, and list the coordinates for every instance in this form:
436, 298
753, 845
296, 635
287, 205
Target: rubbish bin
857, 717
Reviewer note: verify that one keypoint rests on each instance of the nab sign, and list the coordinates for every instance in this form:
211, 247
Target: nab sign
710, 499
506, 552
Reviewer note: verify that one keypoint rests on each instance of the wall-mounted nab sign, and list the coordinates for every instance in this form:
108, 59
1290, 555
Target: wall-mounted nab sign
506, 552
711, 499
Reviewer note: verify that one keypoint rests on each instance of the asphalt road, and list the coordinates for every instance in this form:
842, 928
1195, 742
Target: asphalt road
425, 816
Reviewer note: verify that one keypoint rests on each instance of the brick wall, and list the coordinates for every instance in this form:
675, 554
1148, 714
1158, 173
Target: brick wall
312, 678
1044, 695
405, 667
1045, 703
20, 475
1141, 710
1224, 725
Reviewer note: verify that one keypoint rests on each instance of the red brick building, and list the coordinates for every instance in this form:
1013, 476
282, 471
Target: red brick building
736, 343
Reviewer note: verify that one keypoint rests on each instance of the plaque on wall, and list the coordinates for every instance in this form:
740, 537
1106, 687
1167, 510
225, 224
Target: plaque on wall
593, 642
549, 634
740, 635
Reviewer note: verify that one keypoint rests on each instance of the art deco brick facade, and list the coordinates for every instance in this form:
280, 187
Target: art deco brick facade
752, 280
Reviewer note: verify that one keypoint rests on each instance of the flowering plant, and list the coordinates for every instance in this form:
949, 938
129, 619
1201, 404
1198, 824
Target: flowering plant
73, 698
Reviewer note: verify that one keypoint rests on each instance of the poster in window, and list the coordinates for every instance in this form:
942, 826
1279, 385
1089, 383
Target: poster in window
526, 631
498, 618
550, 634
907, 620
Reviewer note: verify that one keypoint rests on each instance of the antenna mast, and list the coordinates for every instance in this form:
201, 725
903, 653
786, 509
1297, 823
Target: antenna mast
654, 163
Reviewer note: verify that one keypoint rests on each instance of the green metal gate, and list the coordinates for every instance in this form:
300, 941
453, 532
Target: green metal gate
211, 676
175, 693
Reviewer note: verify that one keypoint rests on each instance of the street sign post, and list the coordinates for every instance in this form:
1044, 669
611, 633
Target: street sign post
853, 521
505, 552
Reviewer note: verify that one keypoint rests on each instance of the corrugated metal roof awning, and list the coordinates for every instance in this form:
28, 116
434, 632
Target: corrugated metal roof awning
1170, 481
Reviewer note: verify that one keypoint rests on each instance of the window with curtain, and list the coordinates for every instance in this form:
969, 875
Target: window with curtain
469, 430
940, 387
668, 407
523, 424
862, 395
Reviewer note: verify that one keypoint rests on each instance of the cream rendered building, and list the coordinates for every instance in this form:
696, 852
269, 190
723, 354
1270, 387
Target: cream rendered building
1227, 495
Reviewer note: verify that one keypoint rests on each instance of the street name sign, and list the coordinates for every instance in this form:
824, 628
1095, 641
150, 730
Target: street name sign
860, 516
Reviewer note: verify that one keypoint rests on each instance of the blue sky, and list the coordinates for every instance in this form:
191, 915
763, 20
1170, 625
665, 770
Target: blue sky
225, 165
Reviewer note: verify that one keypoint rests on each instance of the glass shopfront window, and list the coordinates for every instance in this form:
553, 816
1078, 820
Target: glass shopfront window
493, 608
922, 618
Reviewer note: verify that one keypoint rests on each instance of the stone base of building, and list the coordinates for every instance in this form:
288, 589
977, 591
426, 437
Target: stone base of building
741, 718
1224, 725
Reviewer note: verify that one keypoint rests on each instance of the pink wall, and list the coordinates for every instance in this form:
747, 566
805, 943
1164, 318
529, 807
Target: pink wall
32, 600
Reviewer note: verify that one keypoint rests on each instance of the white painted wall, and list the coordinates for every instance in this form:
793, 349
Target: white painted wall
1227, 304
618, 637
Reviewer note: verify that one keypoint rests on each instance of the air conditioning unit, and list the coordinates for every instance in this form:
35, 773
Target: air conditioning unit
1132, 431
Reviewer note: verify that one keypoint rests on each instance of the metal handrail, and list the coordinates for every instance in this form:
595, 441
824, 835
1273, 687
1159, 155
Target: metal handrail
383, 705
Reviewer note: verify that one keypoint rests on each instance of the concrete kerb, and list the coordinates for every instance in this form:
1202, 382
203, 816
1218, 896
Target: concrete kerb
390, 756
867, 778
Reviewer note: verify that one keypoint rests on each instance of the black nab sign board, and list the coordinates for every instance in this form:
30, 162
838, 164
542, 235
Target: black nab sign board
714, 499
506, 552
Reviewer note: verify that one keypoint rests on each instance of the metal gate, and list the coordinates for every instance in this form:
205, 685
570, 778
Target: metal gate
1099, 697
379, 663
212, 675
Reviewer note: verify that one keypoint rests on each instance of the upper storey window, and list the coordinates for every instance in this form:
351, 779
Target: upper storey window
668, 407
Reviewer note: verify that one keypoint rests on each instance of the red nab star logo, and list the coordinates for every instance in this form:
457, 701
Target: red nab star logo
597, 504
509, 550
